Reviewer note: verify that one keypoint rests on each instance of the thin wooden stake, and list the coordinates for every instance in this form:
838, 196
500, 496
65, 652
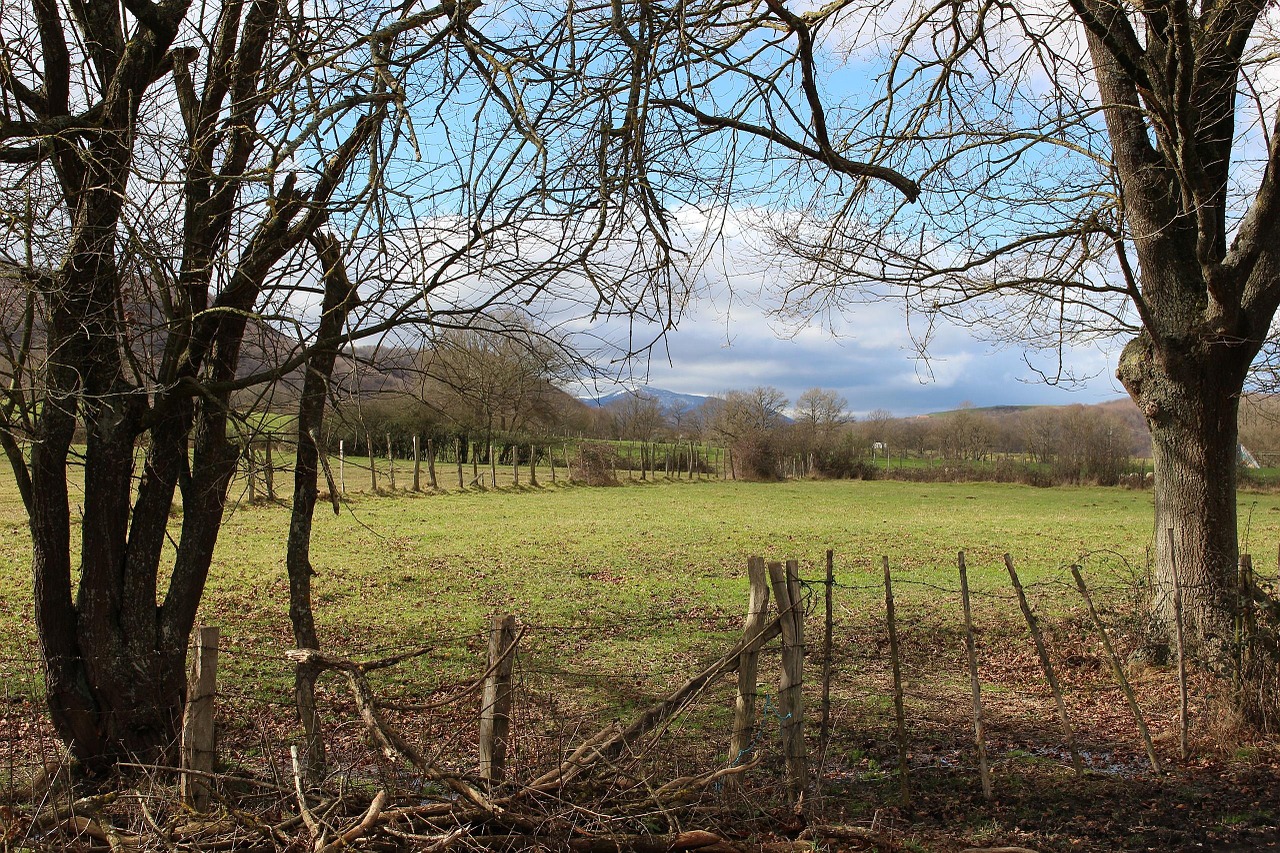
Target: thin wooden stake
431, 463
493, 467
495, 707
790, 688
551, 457
417, 466
250, 464
1118, 669
270, 471
342, 465
457, 453
515, 465
979, 734
824, 728
533, 462
899, 712
1047, 666
1180, 643
391, 461
373, 468
744, 712
197, 721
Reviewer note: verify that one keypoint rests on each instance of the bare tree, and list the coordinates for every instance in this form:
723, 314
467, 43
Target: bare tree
747, 422
821, 410
1082, 170
637, 416
167, 173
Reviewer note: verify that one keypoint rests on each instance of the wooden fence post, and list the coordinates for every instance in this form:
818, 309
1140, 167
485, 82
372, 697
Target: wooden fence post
824, 729
744, 712
417, 466
270, 471
1118, 669
790, 688
373, 468
391, 462
457, 454
197, 719
252, 473
515, 464
899, 712
342, 466
551, 456
1047, 665
533, 461
979, 735
495, 708
431, 463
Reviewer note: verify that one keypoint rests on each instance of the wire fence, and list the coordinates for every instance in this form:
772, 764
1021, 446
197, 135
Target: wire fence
570, 683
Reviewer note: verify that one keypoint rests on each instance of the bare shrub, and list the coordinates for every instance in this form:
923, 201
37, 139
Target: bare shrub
595, 464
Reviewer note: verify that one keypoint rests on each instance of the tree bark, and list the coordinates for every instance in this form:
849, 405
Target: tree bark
339, 299
1190, 398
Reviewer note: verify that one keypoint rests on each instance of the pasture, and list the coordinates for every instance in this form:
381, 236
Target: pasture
627, 591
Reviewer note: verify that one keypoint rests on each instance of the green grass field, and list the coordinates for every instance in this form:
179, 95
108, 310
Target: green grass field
626, 590
659, 566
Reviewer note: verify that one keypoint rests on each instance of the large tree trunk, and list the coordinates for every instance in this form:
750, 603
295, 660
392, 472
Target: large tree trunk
1190, 400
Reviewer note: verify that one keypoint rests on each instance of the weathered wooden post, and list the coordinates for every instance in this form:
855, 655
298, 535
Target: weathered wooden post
417, 466
551, 456
979, 734
899, 712
791, 685
495, 708
431, 463
391, 462
342, 465
1118, 669
744, 713
270, 471
1047, 665
824, 729
197, 720
373, 468
515, 464
253, 472
457, 453
533, 461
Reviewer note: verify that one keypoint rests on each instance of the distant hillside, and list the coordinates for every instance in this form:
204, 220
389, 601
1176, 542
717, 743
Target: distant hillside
666, 399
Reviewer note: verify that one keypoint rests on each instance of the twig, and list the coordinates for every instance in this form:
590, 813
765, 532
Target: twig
364, 825
308, 818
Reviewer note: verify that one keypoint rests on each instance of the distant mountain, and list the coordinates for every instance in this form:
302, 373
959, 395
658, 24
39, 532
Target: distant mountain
666, 399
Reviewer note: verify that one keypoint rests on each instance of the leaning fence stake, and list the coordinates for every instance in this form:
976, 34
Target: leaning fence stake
824, 730
197, 720
900, 717
979, 733
1119, 670
1047, 665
